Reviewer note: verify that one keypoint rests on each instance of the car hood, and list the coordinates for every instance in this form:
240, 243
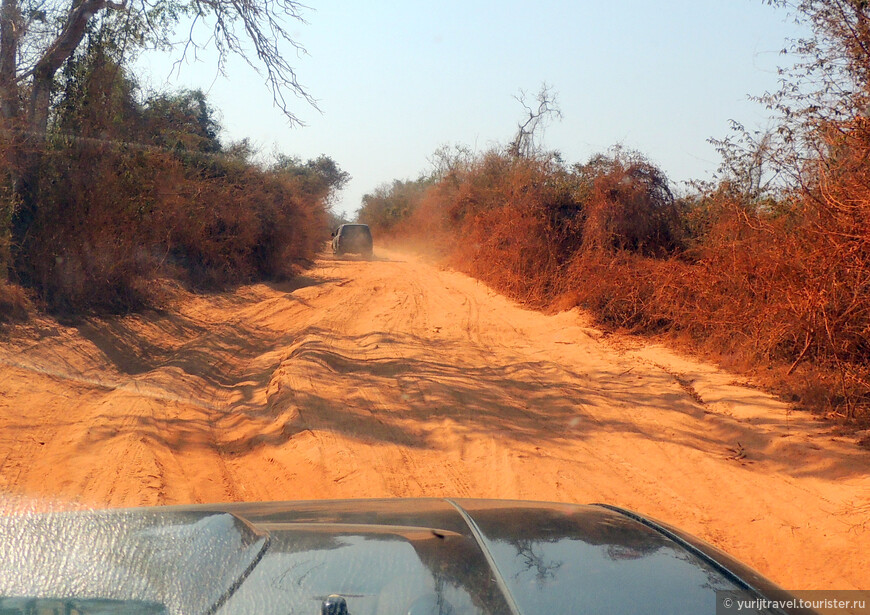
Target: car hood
416, 556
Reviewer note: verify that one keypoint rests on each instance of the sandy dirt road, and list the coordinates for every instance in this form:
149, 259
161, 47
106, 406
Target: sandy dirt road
395, 378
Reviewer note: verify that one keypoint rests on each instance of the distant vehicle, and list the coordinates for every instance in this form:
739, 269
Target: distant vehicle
366, 557
352, 239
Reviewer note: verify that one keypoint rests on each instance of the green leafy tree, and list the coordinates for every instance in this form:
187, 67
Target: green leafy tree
319, 178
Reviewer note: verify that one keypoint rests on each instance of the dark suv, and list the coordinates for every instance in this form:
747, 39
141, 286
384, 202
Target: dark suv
352, 239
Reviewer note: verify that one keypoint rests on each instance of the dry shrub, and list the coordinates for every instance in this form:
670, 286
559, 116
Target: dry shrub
835, 234
518, 222
515, 219
783, 284
214, 232
622, 289
113, 221
631, 208
291, 226
509, 249
93, 238
792, 286
237, 223
764, 290
14, 304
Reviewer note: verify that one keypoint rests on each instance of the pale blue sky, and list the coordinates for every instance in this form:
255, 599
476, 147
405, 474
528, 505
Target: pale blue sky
395, 80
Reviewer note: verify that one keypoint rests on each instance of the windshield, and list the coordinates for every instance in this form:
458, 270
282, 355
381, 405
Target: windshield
161, 561
537, 251
355, 231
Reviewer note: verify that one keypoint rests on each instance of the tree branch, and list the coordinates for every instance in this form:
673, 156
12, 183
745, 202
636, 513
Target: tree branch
69, 38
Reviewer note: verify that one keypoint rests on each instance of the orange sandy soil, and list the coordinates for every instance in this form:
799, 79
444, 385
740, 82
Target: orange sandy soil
395, 378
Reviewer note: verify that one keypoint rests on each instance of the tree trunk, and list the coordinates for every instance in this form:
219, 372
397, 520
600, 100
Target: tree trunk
10, 108
30, 132
26, 184
10, 29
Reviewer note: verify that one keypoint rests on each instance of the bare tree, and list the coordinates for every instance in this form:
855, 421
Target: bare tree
38, 36
448, 159
539, 112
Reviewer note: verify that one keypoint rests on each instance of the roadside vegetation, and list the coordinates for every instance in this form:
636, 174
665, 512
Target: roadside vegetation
129, 189
767, 269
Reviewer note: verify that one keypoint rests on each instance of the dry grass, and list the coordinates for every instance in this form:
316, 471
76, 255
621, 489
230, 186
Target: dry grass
14, 304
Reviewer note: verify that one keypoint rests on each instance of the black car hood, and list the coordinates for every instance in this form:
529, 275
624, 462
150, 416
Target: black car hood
381, 556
